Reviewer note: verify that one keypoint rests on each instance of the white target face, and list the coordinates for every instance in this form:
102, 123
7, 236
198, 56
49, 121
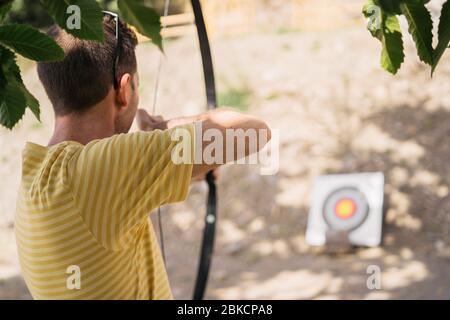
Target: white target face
345, 209
351, 203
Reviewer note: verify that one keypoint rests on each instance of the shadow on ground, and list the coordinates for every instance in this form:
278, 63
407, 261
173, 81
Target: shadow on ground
261, 251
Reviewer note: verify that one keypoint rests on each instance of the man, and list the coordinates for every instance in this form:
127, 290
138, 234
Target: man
82, 224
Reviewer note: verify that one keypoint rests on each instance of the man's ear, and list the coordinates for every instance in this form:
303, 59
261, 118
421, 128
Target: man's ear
123, 94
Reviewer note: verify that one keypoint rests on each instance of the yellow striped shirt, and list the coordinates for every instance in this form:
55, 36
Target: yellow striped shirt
82, 224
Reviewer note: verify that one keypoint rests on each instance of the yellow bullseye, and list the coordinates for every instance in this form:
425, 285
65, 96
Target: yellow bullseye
345, 208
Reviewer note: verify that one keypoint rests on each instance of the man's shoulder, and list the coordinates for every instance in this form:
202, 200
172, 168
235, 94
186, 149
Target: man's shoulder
46, 162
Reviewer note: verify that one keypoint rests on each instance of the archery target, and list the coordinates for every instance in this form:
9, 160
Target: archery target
345, 209
352, 203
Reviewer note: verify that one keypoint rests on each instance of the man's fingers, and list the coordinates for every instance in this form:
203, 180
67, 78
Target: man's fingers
147, 122
142, 113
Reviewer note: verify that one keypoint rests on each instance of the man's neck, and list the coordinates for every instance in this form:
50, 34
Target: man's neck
97, 123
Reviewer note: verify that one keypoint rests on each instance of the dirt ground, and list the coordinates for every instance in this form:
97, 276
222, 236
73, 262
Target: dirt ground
337, 112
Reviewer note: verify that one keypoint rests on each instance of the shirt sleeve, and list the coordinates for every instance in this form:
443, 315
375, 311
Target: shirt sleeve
118, 181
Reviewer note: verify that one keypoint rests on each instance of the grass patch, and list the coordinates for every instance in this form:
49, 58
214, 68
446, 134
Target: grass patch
239, 98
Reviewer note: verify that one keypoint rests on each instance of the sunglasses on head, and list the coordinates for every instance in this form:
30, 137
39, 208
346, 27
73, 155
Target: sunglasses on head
115, 16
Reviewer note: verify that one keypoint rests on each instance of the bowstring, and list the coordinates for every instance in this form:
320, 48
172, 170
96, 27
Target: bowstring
155, 98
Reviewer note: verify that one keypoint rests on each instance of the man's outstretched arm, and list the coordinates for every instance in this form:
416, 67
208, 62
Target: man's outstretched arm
223, 120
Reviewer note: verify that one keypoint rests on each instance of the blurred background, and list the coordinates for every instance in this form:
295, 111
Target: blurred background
311, 69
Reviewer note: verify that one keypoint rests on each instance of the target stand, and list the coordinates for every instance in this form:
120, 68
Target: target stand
346, 210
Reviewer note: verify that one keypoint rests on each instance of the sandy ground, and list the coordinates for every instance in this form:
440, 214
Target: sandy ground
337, 111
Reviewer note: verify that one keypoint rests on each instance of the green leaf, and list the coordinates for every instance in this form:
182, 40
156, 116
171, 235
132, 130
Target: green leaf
11, 74
5, 7
31, 101
392, 55
3, 81
90, 17
30, 43
390, 6
146, 20
373, 12
386, 28
444, 34
12, 105
420, 27
8, 63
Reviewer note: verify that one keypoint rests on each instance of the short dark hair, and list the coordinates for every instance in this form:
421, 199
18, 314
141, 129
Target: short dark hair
85, 75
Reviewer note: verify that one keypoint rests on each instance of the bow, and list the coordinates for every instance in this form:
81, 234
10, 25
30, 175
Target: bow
209, 230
